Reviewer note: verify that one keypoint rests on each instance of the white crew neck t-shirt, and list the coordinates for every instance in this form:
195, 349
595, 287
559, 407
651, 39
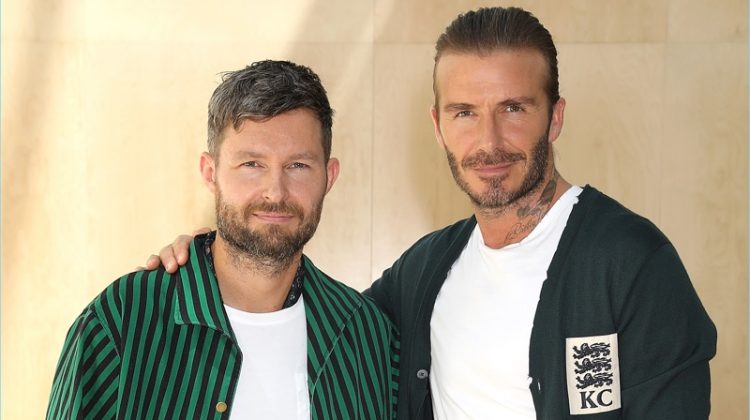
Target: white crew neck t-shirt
273, 375
481, 323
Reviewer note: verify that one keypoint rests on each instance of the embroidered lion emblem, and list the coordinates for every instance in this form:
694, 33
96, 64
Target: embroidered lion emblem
594, 365
594, 350
597, 380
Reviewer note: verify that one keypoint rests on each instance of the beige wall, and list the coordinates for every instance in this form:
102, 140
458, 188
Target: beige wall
103, 118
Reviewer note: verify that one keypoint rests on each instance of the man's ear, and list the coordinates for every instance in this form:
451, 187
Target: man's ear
332, 169
556, 122
436, 123
208, 171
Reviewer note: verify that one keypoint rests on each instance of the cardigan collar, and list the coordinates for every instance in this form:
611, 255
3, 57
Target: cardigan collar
197, 296
328, 304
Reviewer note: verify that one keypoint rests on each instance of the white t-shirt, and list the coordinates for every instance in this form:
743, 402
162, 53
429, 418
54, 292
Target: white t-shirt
273, 376
481, 324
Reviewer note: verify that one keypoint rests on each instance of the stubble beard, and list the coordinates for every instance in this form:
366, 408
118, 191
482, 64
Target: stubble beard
273, 248
495, 198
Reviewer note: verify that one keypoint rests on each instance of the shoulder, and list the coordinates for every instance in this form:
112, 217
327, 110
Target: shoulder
420, 268
607, 225
446, 235
435, 244
433, 250
610, 242
132, 286
331, 292
128, 293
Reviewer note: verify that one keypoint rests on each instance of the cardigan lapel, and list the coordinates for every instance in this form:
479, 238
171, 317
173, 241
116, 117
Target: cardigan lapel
328, 309
197, 296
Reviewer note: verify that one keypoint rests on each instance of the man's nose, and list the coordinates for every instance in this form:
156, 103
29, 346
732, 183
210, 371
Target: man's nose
490, 133
274, 187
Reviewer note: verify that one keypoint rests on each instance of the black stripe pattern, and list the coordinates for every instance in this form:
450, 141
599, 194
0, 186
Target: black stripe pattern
160, 346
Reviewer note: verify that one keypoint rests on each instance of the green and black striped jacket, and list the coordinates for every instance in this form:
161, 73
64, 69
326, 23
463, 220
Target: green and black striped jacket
155, 345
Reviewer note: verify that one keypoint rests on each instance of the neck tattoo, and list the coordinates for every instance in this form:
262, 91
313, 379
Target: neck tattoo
529, 215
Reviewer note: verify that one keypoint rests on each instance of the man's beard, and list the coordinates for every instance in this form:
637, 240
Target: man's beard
273, 247
495, 197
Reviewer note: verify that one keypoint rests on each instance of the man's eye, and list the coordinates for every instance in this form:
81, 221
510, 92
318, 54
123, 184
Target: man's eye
462, 114
298, 165
251, 164
513, 108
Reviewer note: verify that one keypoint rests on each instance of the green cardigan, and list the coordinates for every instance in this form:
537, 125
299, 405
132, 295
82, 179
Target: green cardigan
158, 346
613, 272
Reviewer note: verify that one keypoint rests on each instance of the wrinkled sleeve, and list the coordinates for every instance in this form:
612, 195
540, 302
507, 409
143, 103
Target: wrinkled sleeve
386, 292
388, 300
666, 342
86, 379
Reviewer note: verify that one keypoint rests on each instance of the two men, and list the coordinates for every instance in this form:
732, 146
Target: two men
249, 327
551, 300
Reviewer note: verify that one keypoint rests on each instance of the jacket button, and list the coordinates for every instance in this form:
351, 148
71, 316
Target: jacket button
422, 374
221, 406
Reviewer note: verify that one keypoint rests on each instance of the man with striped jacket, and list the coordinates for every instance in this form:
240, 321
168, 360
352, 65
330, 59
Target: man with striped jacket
249, 327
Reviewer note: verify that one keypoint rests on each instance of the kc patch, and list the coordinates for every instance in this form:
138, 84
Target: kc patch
593, 374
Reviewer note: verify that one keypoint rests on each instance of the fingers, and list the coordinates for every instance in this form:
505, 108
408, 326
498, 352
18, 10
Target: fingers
173, 255
201, 231
168, 259
152, 263
181, 248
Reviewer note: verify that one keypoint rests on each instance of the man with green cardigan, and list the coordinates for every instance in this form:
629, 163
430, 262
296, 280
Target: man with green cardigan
248, 327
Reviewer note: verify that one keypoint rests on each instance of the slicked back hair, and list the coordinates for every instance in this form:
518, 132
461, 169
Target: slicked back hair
264, 90
489, 29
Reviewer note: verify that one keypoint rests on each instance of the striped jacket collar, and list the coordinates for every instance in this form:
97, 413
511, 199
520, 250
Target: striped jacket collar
328, 305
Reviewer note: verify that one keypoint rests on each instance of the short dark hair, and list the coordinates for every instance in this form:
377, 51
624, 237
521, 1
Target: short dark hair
263, 90
485, 30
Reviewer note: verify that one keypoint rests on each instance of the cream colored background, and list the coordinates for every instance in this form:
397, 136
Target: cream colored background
103, 119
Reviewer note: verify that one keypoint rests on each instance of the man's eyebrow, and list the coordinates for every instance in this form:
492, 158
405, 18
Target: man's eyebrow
247, 154
520, 100
304, 156
457, 106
